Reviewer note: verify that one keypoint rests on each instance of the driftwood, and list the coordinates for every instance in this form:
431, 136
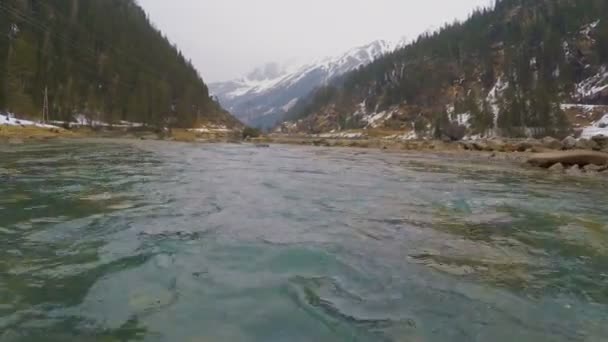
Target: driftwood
569, 158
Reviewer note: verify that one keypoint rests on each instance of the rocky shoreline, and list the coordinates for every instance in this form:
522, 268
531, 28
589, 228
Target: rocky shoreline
570, 156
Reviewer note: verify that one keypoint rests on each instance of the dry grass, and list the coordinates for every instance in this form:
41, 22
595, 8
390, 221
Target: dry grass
31, 132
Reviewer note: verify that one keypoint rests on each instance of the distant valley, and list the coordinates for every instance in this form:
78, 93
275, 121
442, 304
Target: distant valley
263, 97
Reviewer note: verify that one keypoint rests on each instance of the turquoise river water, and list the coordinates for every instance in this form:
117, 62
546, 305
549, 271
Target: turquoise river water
154, 241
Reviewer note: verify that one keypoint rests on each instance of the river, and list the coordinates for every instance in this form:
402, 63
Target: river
156, 241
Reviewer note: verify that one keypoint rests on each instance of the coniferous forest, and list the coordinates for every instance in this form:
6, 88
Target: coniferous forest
509, 67
98, 58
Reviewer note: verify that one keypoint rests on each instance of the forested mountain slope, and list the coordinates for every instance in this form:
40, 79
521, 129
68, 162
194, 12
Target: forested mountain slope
98, 58
520, 68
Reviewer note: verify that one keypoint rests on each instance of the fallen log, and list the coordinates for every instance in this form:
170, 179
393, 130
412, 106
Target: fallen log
569, 158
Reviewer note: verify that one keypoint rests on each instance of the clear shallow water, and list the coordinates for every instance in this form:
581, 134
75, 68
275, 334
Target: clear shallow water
156, 241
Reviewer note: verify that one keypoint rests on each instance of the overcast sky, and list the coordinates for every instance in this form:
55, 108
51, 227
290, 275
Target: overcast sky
226, 39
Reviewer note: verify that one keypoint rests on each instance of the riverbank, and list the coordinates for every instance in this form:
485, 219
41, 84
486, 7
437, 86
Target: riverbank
519, 151
571, 156
20, 134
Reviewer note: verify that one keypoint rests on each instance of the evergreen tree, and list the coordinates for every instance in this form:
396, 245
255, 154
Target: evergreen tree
98, 58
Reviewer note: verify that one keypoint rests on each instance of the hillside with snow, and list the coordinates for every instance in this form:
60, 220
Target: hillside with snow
262, 97
521, 68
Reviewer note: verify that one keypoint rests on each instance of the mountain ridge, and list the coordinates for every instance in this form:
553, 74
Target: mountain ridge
264, 95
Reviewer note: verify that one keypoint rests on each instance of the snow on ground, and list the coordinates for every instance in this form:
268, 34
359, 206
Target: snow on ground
374, 120
286, 108
403, 137
598, 128
462, 119
494, 97
211, 129
10, 120
587, 29
583, 107
82, 120
342, 135
592, 86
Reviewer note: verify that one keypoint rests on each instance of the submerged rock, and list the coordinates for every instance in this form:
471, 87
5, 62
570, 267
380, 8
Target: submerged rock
574, 171
580, 158
559, 167
15, 141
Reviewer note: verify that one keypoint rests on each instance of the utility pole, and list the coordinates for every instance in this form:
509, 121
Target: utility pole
45, 106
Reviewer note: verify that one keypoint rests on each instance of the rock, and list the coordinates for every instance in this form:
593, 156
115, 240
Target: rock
569, 143
321, 142
15, 141
591, 168
551, 143
576, 157
574, 171
262, 145
466, 145
584, 144
481, 146
559, 167
498, 145
527, 145
601, 140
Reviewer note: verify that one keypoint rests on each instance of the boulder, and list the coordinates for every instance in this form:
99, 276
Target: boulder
584, 144
551, 143
574, 171
559, 167
467, 145
569, 158
601, 140
527, 145
569, 143
478, 145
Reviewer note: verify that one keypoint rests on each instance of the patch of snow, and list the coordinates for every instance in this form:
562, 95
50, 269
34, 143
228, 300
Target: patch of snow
286, 108
462, 119
583, 107
493, 97
403, 137
473, 137
9, 119
450, 109
586, 30
598, 128
342, 135
592, 86
374, 120
210, 129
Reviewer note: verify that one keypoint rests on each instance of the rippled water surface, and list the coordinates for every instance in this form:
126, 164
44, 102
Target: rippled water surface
151, 241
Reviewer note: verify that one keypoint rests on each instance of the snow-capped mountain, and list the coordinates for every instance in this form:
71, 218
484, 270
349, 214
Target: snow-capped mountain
263, 96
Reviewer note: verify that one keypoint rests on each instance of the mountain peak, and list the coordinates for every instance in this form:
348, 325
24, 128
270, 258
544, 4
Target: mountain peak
266, 72
269, 91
